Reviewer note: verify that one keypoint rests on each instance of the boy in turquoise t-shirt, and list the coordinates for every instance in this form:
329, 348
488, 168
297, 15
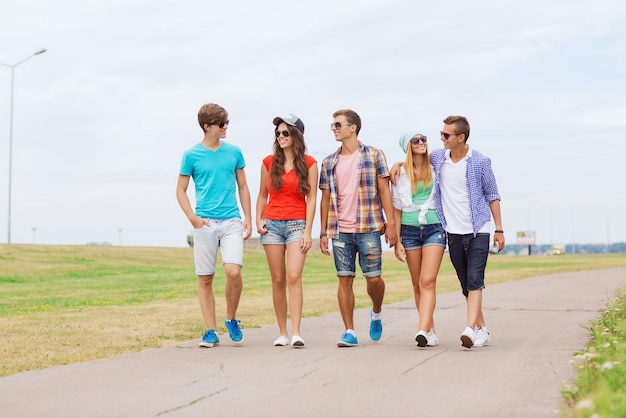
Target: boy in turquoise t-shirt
217, 169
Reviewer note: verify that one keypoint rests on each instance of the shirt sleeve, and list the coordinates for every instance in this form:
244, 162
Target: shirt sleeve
323, 176
490, 187
267, 162
186, 168
395, 197
309, 161
381, 164
241, 162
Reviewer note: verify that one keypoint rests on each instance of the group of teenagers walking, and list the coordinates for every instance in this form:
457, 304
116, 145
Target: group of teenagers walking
447, 196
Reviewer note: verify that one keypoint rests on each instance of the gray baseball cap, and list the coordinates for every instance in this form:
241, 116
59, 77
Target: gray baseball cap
290, 119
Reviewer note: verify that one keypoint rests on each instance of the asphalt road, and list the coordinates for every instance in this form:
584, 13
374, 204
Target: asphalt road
536, 326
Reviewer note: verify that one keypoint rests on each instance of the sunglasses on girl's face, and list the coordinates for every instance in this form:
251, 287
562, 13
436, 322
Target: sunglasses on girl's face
284, 133
416, 141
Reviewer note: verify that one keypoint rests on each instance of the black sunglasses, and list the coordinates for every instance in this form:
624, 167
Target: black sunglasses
221, 124
284, 133
446, 135
417, 140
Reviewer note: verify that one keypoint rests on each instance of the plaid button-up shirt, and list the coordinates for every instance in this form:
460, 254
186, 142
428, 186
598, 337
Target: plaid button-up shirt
481, 186
371, 165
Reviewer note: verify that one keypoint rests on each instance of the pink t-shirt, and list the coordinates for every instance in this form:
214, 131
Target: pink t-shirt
347, 191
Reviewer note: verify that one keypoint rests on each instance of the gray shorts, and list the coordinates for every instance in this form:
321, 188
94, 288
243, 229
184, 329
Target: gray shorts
226, 234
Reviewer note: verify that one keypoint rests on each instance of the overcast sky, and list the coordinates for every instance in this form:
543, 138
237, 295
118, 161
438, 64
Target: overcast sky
102, 118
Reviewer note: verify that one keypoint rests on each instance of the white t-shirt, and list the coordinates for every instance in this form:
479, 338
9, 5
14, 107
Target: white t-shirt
454, 197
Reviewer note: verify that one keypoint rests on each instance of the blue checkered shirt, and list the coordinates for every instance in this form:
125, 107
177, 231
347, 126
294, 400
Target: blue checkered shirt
481, 186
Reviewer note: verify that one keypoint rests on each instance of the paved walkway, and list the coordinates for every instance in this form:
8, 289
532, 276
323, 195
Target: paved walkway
536, 325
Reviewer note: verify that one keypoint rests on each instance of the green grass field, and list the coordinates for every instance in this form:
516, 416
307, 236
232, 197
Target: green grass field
64, 304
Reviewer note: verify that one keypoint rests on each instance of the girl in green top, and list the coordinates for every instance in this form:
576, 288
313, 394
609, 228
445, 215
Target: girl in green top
422, 238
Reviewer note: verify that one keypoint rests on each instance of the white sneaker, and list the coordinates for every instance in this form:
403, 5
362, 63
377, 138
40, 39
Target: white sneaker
281, 341
297, 341
422, 338
482, 337
433, 341
468, 337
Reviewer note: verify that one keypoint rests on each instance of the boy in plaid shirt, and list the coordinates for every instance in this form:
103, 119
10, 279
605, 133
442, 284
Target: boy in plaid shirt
355, 187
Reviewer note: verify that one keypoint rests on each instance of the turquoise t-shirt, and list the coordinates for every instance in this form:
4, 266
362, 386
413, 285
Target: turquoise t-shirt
214, 174
412, 218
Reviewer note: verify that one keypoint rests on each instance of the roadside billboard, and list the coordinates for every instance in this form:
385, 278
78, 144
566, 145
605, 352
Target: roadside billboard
526, 238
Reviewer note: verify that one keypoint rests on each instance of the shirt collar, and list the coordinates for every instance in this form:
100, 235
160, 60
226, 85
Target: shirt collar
467, 156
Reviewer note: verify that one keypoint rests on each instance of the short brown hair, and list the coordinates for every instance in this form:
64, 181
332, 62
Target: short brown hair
211, 114
352, 117
461, 125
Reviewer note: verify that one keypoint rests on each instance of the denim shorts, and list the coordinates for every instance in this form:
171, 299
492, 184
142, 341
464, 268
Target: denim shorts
416, 237
469, 258
226, 234
345, 248
283, 232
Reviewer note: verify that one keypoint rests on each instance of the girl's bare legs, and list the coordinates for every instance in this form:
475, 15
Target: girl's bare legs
295, 265
431, 261
424, 266
286, 274
276, 260
414, 262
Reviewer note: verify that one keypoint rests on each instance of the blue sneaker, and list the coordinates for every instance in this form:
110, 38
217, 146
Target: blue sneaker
376, 328
209, 339
233, 329
347, 340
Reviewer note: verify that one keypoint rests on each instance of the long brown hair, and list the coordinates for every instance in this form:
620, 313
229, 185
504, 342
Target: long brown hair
299, 162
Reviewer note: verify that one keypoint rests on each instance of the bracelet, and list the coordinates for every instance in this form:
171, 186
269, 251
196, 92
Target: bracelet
323, 234
498, 231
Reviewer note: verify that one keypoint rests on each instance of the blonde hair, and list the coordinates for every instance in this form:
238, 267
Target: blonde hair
424, 174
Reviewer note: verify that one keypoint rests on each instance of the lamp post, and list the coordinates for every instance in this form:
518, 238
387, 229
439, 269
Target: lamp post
12, 67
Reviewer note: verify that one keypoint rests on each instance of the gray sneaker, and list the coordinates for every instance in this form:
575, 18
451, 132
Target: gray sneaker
482, 337
433, 341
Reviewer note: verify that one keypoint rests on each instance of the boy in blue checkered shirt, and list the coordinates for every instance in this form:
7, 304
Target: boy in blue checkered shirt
466, 198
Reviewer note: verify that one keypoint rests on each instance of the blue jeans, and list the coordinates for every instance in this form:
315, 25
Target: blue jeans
367, 244
416, 237
469, 258
283, 232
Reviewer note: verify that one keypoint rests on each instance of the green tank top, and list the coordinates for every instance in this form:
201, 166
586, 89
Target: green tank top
412, 218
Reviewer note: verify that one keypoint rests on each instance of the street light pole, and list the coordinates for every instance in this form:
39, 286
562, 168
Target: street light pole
12, 67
